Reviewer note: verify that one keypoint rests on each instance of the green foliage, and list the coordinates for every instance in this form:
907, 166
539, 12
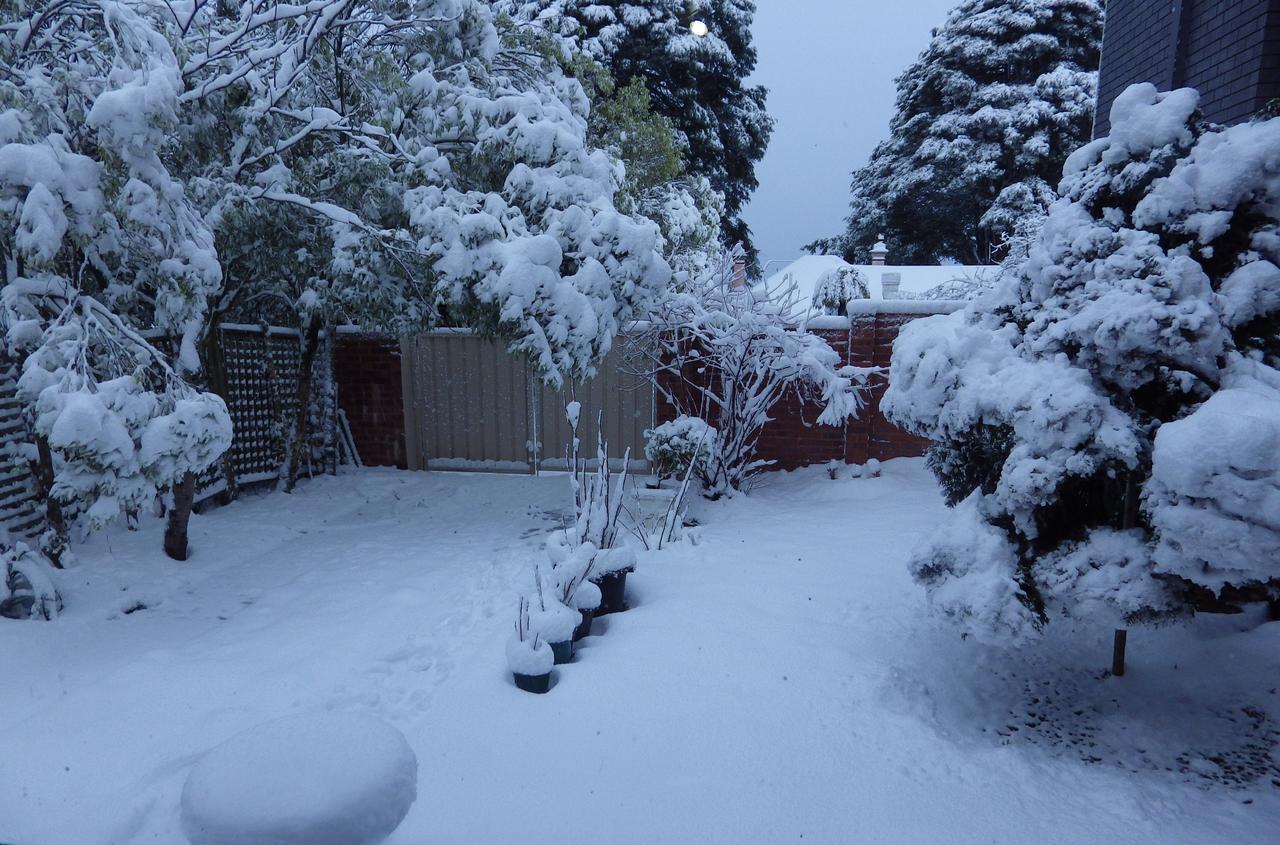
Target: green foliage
624, 123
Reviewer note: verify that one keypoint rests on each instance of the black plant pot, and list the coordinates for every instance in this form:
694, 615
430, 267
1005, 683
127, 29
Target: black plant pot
533, 683
584, 627
563, 651
613, 592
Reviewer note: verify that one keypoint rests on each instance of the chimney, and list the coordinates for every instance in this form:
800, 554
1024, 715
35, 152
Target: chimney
879, 253
739, 279
889, 283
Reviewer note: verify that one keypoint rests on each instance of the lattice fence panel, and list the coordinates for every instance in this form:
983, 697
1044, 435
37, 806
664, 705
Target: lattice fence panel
20, 515
261, 394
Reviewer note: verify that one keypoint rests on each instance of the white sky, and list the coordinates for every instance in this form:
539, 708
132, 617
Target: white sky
829, 66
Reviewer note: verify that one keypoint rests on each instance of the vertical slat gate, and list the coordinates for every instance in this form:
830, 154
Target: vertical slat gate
467, 401
471, 405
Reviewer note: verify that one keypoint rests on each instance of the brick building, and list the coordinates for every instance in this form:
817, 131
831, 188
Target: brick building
1229, 50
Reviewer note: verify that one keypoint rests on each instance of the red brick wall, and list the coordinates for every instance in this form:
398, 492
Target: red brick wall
794, 438
367, 370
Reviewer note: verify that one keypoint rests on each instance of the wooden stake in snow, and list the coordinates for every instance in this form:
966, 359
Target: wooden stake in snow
1117, 652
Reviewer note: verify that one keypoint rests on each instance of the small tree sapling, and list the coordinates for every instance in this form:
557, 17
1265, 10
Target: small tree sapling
725, 352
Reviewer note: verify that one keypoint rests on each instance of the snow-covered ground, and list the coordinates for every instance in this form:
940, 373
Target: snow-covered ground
777, 680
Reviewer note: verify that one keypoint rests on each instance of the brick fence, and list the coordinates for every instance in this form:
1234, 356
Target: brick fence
865, 339
368, 370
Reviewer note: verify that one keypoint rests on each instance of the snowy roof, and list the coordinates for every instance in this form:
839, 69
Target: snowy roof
916, 278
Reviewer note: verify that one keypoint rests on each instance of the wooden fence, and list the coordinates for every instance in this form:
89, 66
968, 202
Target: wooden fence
471, 405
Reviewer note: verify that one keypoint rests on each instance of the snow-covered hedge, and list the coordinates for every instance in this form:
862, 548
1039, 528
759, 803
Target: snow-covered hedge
1109, 414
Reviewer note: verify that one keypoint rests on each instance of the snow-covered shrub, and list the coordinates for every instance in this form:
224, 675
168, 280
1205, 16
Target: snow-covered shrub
586, 597
1110, 410
1214, 494
836, 287
555, 622
728, 353
114, 422
27, 588
571, 565
675, 446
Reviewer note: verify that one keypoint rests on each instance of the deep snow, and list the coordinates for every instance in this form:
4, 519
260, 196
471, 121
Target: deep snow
778, 679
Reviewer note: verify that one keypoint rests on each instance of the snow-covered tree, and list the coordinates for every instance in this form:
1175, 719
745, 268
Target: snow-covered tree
114, 423
698, 83
94, 223
657, 184
384, 162
836, 287
984, 120
727, 353
1107, 418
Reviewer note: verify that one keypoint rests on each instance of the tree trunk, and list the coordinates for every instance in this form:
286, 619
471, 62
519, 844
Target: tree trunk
175, 529
57, 538
301, 429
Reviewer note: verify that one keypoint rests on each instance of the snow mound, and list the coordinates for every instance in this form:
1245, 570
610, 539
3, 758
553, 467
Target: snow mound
312, 779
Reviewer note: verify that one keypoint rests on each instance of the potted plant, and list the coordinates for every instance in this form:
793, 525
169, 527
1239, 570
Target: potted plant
528, 656
610, 575
586, 599
573, 567
554, 620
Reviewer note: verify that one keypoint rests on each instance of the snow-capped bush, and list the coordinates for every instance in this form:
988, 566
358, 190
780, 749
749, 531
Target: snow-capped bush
571, 565
1214, 494
1109, 410
675, 446
610, 561
555, 621
836, 287
27, 585
727, 353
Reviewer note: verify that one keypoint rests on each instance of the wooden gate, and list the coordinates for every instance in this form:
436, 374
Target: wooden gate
471, 405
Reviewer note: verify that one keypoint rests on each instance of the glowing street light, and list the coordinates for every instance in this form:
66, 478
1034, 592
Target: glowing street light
699, 28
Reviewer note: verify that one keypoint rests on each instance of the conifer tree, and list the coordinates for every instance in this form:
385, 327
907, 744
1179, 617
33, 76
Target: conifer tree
984, 120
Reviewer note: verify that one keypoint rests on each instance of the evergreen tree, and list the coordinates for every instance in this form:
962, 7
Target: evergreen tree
698, 83
1108, 418
836, 287
984, 120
